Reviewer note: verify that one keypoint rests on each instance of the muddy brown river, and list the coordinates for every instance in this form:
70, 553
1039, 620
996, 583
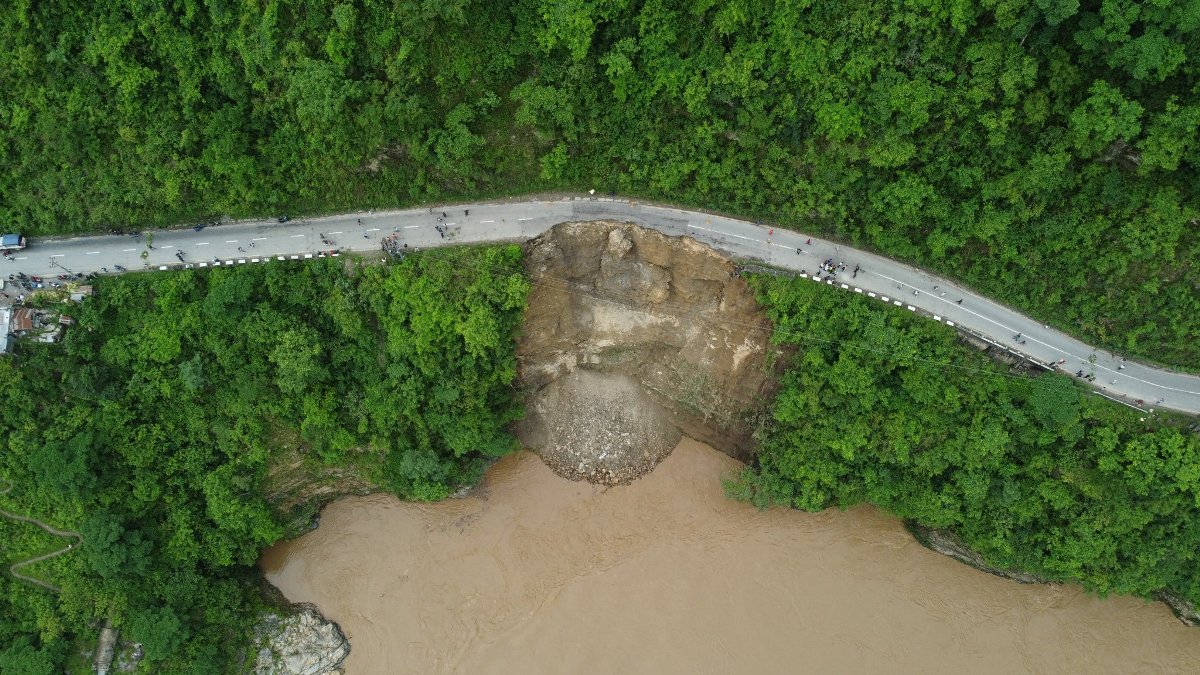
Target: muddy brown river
537, 574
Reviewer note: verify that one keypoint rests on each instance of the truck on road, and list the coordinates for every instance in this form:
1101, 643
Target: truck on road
11, 242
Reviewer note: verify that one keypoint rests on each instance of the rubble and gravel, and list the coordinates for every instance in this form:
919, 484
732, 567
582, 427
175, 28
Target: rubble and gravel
598, 427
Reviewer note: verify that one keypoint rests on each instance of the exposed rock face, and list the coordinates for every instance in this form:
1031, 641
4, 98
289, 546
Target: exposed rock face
668, 315
303, 644
948, 543
1185, 610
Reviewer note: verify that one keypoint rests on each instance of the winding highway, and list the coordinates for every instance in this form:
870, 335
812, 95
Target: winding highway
886, 280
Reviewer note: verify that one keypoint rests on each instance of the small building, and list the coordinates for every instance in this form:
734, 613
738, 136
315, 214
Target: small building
5, 328
80, 293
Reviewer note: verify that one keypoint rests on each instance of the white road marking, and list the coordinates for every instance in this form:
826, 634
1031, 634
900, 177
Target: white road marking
128, 249
376, 229
203, 243
338, 232
58, 255
487, 221
409, 227
92, 253
231, 241
168, 246
260, 238
522, 219
22, 257
297, 236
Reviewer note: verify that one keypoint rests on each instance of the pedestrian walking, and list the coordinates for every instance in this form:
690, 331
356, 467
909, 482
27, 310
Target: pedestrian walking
444, 214
242, 250
466, 212
960, 301
809, 242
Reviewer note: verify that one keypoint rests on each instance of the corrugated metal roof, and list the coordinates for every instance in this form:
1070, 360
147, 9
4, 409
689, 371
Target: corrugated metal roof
5, 319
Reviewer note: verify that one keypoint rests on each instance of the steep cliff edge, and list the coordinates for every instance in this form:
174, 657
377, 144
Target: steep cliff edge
632, 337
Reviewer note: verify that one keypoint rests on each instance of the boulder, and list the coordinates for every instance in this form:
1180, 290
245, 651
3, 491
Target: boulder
302, 644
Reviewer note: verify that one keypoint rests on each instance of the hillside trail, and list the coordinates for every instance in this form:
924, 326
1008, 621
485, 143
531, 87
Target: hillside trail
66, 534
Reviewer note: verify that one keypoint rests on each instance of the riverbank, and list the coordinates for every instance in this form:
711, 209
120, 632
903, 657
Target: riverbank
668, 575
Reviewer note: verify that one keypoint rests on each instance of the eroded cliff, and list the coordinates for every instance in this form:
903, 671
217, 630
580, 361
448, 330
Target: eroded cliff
631, 338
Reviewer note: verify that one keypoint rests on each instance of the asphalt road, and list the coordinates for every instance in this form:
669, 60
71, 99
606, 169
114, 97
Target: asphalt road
250, 242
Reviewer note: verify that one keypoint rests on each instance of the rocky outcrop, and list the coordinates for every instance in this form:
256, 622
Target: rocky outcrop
301, 644
948, 543
1185, 610
667, 314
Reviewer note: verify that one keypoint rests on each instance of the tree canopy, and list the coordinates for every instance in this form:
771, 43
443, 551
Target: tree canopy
1043, 152
152, 426
883, 407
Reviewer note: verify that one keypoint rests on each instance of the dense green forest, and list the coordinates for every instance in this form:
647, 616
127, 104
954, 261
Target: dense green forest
1045, 152
151, 427
883, 407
